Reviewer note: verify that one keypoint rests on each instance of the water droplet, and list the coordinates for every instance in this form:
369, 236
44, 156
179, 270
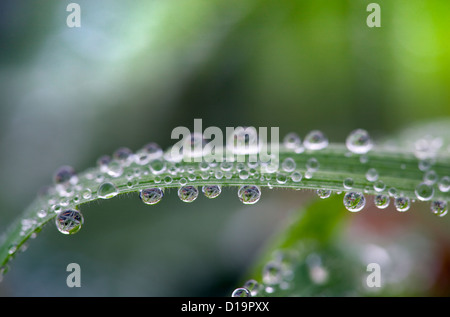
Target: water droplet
379, 186
315, 140
157, 166
243, 174
151, 196
249, 194
168, 180
107, 190
382, 201
103, 162
402, 204
292, 141
312, 164
114, 169
425, 164
281, 178
371, 175
359, 142
149, 152
439, 208
354, 201
241, 292
288, 165
124, 155
348, 183
188, 193
211, 191
393, 192
41, 213
272, 273
430, 177
424, 191
64, 175
226, 166
444, 184
323, 193
69, 221
253, 286
296, 177
243, 140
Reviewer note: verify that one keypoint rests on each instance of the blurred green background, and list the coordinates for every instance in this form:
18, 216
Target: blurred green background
135, 70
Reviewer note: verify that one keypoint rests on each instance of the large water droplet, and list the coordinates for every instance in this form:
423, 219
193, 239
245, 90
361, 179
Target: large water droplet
382, 201
188, 193
359, 142
439, 208
402, 204
151, 196
315, 140
107, 190
69, 221
288, 165
424, 191
211, 191
348, 183
249, 194
296, 177
354, 201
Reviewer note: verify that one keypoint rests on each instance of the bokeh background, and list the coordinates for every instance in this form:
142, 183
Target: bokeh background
135, 70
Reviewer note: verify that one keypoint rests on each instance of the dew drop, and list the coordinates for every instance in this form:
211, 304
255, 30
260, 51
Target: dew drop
424, 192
292, 141
312, 164
439, 208
157, 166
87, 193
107, 190
123, 155
272, 273
69, 221
430, 177
354, 201
444, 184
393, 192
149, 152
379, 186
241, 292
41, 213
168, 180
348, 183
249, 194
381, 201
151, 196
64, 175
253, 286
114, 169
183, 181
281, 178
402, 204
296, 177
359, 142
188, 193
323, 193
288, 165
212, 191
103, 162
315, 140
243, 174
371, 175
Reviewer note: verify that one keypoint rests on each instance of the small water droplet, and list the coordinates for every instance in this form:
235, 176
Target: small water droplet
439, 208
114, 169
211, 191
315, 140
168, 180
69, 221
371, 175
430, 177
444, 184
243, 174
296, 177
312, 164
281, 178
379, 186
42, 213
157, 166
424, 192
393, 192
402, 204
348, 183
188, 193
425, 164
151, 196
272, 273
103, 162
253, 286
292, 141
288, 165
382, 201
249, 194
107, 190
124, 155
359, 142
241, 292
64, 175
323, 193
149, 152
354, 201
